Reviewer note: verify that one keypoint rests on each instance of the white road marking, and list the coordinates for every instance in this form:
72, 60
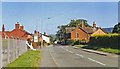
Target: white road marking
70, 51
79, 55
53, 59
66, 49
96, 61
83, 56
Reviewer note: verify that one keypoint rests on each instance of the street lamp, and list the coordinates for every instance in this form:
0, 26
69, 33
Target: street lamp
41, 33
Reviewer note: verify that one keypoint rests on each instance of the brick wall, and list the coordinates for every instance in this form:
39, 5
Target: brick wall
81, 35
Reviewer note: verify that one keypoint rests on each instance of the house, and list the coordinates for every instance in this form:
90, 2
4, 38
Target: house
83, 33
17, 33
38, 39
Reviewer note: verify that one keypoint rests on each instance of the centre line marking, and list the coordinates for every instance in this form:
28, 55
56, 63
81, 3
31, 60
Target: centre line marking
96, 61
70, 51
79, 55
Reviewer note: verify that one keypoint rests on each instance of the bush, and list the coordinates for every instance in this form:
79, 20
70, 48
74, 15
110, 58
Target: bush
70, 42
77, 42
105, 41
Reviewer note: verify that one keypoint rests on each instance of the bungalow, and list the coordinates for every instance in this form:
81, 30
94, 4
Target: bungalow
83, 33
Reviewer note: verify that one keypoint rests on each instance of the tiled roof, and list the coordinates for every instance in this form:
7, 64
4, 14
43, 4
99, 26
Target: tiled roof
89, 30
69, 29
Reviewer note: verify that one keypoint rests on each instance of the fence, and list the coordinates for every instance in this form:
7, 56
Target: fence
10, 50
0, 51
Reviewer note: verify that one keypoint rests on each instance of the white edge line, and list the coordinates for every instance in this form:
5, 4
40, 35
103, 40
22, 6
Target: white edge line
53, 59
96, 61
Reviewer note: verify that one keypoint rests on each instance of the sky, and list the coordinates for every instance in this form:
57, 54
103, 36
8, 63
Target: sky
59, 0
34, 15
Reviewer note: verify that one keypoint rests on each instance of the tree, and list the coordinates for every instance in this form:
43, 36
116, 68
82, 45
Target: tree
74, 23
61, 33
51, 39
116, 28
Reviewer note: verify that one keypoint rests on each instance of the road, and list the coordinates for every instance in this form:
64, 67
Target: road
67, 56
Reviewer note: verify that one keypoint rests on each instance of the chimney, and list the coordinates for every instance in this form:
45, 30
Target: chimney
17, 25
22, 27
3, 29
94, 24
83, 26
35, 32
44, 33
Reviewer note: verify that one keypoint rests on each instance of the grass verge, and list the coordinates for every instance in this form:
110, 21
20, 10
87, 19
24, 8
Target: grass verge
28, 59
107, 50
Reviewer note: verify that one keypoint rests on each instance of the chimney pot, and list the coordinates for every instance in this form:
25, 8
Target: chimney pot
94, 24
44, 33
3, 29
22, 27
17, 25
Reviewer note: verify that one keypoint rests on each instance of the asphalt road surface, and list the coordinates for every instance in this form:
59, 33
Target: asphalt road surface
67, 56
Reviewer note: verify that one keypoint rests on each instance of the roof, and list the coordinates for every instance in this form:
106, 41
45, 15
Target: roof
89, 30
108, 30
69, 29
20, 35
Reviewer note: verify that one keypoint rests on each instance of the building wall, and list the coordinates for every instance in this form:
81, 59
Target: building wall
81, 35
98, 32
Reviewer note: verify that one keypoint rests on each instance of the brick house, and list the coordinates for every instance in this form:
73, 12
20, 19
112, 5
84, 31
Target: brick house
17, 33
83, 33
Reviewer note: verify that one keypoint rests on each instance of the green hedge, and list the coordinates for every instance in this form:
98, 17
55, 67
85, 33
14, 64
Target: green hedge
70, 42
105, 41
75, 42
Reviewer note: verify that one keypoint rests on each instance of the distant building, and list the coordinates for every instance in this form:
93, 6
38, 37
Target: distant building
83, 33
38, 39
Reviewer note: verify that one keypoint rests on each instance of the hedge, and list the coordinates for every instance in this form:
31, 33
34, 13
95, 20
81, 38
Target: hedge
75, 42
105, 41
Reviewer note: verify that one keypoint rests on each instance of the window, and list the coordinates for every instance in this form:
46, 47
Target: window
77, 35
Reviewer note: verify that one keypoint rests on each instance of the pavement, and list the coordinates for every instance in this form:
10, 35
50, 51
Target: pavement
67, 56
47, 60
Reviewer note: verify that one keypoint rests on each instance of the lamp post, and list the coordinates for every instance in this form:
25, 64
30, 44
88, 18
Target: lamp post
41, 33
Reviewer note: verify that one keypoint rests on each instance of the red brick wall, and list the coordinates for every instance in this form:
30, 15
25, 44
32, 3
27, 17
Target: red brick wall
81, 35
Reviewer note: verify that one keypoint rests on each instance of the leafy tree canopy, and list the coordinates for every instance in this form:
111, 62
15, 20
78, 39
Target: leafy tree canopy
74, 23
116, 28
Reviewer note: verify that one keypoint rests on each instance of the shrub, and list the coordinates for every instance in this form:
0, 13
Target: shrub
70, 42
105, 41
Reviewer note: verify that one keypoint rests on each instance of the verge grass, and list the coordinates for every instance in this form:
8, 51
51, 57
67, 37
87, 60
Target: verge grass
29, 59
107, 50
